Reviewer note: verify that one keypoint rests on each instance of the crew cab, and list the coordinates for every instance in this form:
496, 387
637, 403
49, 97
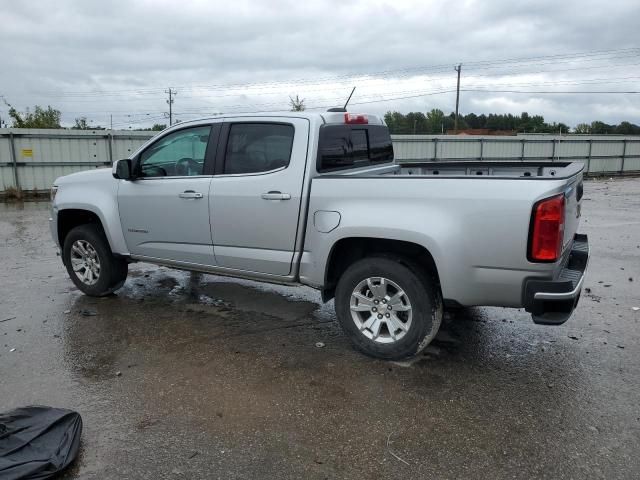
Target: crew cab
317, 199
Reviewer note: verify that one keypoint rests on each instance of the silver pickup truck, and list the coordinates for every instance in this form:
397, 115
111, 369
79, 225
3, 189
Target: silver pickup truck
317, 199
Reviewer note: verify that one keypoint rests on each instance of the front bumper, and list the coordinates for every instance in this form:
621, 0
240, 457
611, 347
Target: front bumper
551, 302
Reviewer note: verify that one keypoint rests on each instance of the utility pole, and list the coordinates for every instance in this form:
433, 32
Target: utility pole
5, 101
172, 93
455, 125
111, 122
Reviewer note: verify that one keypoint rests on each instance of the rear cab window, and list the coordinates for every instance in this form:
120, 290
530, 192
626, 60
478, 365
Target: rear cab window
353, 146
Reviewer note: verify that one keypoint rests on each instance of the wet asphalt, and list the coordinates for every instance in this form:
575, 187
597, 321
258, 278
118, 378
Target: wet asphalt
195, 376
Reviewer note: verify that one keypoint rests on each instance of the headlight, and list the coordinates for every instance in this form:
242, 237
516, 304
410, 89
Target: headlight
54, 190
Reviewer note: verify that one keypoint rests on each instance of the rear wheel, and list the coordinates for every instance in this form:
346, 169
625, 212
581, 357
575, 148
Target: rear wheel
90, 262
388, 308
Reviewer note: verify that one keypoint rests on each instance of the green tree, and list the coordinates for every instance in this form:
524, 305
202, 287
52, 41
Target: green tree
472, 120
536, 124
81, 124
599, 128
416, 122
436, 121
297, 104
156, 127
627, 128
396, 122
450, 122
39, 118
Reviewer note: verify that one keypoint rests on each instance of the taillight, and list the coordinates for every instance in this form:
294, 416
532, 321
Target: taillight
355, 119
547, 230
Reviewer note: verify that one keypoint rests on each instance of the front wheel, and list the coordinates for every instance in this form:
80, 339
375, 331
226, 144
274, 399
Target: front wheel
90, 262
389, 309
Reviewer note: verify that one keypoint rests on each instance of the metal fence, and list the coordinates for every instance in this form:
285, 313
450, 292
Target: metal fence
602, 154
31, 159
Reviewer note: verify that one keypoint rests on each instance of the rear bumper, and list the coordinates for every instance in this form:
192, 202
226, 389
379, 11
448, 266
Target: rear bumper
551, 302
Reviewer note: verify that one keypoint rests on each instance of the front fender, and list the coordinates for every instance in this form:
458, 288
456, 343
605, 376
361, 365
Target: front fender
102, 200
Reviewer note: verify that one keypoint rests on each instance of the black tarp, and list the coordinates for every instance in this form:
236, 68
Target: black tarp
37, 442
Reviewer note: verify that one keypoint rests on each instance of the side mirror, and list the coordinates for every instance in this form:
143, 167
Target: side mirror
122, 169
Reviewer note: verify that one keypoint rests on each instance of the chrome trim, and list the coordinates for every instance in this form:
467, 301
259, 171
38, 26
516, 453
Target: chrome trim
276, 196
223, 175
564, 295
170, 177
193, 195
560, 296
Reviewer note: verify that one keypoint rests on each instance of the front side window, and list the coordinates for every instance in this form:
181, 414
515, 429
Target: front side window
258, 147
179, 154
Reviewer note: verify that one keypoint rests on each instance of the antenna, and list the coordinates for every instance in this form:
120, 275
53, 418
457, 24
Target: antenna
350, 95
343, 109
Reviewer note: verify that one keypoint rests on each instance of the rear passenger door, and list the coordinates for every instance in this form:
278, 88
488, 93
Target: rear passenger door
255, 195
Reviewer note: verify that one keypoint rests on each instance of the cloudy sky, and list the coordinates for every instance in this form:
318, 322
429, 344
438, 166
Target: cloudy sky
116, 58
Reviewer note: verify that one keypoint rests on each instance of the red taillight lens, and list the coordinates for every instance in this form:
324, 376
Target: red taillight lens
357, 119
548, 230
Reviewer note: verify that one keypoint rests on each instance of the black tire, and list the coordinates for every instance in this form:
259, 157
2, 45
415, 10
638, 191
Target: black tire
421, 291
112, 272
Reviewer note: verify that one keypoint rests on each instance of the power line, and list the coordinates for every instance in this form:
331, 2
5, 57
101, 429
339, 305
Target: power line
289, 87
389, 78
551, 92
371, 97
418, 95
597, 55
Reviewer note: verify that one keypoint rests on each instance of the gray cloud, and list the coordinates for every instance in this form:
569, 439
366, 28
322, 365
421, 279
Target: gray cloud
55, 53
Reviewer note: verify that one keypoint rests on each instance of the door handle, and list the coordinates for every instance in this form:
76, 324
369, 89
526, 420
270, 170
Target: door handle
190, 194
276, 196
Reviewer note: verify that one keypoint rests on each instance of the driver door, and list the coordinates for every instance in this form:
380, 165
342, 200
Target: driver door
165, 211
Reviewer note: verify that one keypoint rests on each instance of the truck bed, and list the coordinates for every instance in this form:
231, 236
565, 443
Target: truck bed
508, 169
492, 169
477, 230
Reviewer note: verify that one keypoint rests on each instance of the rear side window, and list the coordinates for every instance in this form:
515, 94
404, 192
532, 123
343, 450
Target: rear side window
349, 146
258, 147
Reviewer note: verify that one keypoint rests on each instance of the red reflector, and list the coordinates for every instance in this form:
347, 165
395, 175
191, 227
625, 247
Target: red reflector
359, 119
548, 230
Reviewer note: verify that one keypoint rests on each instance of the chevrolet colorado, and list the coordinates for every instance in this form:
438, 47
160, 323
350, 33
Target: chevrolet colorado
317, 199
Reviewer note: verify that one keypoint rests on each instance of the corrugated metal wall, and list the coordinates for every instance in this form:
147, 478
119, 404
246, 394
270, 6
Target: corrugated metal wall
35, 158
38, 156
601, 153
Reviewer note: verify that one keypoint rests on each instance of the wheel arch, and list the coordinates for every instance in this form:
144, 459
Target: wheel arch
346, 251
69, 218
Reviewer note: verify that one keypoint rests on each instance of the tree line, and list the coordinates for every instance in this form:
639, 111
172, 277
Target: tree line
433, 122
50, 117
437, 122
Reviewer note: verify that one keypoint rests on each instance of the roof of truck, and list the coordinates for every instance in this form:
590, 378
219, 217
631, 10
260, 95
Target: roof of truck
325, 117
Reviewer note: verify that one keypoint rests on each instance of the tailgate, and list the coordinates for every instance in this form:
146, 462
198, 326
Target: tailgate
572, 209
